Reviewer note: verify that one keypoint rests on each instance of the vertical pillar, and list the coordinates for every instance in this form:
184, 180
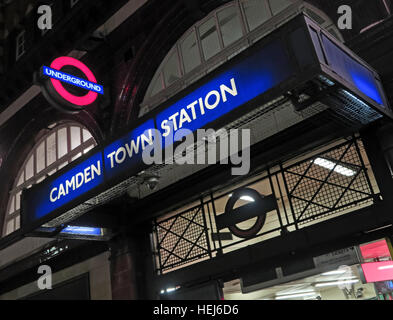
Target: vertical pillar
378, 142
385, 137
132, 266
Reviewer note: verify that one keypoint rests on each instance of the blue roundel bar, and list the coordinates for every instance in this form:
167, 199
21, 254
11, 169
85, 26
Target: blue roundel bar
75, 81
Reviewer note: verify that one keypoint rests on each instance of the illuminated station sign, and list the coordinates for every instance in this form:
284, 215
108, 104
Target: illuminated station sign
270, 68
52, 81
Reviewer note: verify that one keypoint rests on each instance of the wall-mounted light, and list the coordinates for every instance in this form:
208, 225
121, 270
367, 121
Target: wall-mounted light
169, 290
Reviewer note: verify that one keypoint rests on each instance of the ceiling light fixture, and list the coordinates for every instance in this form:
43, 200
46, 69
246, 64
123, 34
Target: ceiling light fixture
300, 295
334, 272
287, 292
335, 283
327, 164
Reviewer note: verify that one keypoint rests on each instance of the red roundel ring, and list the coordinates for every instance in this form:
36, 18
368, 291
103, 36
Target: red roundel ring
85, 100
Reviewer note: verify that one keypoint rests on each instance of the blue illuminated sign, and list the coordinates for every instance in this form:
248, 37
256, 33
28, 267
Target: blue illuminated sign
82, 231
54, 194
67, 78
126, 153
232, 88
352, 71
229, 90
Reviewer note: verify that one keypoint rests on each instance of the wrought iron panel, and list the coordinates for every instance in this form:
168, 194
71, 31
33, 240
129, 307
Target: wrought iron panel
320, 187
328, 183
182, 239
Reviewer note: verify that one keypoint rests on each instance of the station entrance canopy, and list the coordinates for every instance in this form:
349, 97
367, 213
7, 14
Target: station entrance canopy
299, 62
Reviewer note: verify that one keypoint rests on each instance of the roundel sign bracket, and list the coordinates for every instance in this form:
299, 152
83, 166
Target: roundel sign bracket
258, 208
52, 81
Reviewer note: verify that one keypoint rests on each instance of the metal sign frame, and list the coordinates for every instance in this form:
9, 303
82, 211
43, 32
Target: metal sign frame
305, 63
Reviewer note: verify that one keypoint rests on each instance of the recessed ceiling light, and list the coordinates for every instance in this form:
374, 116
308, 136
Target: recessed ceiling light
299, 295
334, 272
327, 164
335, 283
287, 292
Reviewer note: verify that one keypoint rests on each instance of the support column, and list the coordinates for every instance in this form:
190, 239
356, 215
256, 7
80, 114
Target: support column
132, 266
378, 142
385, 137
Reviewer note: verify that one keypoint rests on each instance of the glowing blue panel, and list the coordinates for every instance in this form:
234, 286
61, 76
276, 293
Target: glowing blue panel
241, 83
83, 231
352, 71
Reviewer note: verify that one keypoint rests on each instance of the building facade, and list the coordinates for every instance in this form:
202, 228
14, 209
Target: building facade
316, 199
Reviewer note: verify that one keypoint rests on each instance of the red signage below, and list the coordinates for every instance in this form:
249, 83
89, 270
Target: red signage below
378, 271
375, 250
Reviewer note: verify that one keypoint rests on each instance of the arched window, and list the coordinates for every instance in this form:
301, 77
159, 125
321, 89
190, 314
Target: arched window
62, 144
218, 37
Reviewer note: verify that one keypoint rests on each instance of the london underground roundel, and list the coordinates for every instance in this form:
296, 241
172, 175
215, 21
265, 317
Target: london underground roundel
66, 91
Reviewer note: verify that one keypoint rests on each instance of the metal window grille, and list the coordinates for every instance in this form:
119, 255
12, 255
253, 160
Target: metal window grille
328, 183
311, 190
182, 239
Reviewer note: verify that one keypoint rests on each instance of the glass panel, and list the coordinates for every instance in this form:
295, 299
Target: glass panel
11, 208
62, 148
171, 68
51, 149
17, 222
17, 201
21, 178
29, 170
190, 52
156, 85
86, 135
75, 137
256, 13
230, 25
10, 227
279, 5
209, 38
40, 157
